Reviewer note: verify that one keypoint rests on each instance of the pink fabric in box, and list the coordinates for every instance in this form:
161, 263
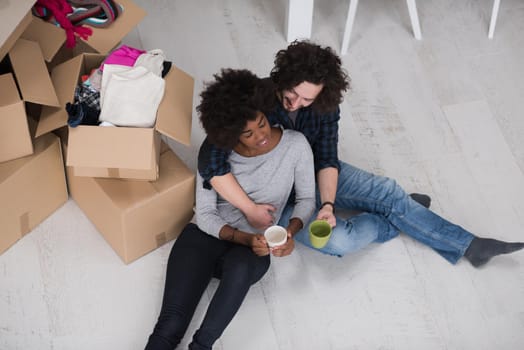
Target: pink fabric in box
124, 56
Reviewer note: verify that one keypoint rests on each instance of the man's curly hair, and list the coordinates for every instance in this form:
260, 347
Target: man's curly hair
305, 61
230, 101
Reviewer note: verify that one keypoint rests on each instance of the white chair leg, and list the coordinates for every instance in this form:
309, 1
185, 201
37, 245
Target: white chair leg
413, 15
299, 19
349, 25
494, 15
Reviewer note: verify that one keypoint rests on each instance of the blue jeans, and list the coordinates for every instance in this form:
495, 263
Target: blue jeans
387, 210
195, 258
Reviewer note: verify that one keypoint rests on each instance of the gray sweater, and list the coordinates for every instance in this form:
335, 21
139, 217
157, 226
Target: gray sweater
268, 178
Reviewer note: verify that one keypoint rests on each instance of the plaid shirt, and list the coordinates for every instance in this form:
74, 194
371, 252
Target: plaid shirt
321, 132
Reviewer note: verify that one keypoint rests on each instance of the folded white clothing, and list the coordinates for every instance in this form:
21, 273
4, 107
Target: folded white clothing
131, 97
109, 70
106, 124
153, 60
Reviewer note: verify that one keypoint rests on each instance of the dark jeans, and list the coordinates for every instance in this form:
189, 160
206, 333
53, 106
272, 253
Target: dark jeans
196, 257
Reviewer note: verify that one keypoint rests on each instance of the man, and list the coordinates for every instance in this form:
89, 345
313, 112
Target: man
310, 83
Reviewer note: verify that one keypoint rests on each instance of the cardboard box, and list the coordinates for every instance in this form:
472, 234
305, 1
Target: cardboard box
52, 38
15, 138
136, 217
31, 189
119, 152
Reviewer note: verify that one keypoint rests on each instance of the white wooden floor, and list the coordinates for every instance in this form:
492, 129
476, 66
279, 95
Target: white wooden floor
443, 116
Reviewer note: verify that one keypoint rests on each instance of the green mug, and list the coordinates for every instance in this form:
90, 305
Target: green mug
319, 233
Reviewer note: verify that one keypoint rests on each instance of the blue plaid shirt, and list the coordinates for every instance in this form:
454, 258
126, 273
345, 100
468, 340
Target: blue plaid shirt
321, 130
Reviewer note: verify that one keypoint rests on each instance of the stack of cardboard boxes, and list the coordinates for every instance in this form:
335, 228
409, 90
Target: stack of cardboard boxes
132, 187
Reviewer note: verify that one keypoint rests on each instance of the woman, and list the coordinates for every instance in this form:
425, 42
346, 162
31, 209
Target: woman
269, 164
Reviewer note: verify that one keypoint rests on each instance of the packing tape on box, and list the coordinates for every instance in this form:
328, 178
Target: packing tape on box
161, 239
113, 172
24, 224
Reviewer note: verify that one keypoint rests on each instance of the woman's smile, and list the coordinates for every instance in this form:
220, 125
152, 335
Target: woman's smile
263, 143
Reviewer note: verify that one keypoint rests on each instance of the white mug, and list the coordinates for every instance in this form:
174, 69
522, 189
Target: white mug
275, 236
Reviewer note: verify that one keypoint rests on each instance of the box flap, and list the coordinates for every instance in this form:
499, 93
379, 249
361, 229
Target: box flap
175, 111
110, 147
31, 73
104, 40
48, 36
65, 79
15, 16
9, 93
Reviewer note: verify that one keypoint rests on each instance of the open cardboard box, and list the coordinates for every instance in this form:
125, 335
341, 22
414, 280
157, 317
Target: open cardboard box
52, 38
119, 152
27, 70
136, 217
31, 189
